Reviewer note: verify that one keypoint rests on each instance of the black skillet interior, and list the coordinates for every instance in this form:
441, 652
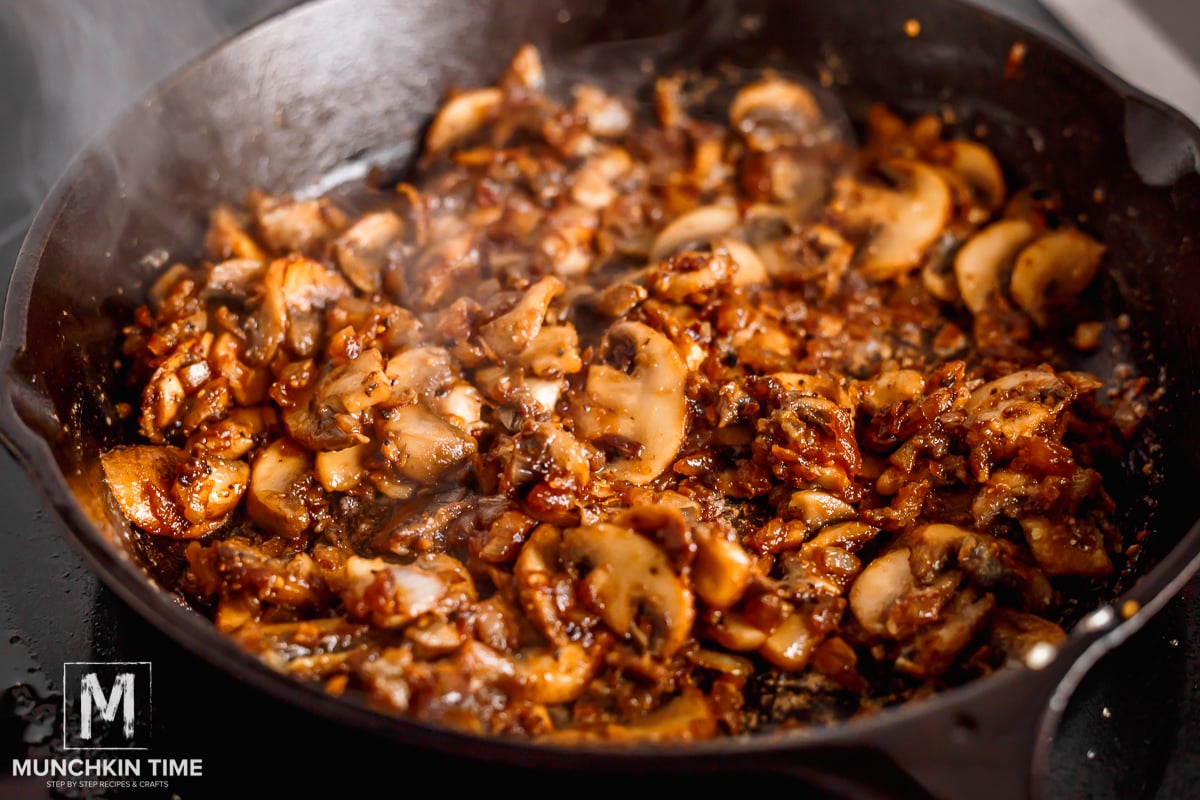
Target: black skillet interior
344, 82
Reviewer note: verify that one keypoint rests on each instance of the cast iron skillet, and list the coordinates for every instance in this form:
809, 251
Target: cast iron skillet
345, 82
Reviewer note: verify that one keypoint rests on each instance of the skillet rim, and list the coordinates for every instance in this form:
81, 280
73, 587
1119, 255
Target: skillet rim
1098, 633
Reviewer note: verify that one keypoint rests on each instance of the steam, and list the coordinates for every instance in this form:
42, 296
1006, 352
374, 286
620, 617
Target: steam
72, 66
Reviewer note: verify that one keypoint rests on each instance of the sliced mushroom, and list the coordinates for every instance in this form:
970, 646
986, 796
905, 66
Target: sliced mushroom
227, 237
325, 415
1018, 405
422, 372
235, 435
308, 285
690, 273
553, 353
287, 225
904, 220
695, 227
537, 576
750, 268
606, 115
342, 470
274, 501
526, 69
816, 509
791, 645
234, 277
686, 718
1018, 634
773, 113
209, 488
826, 564
1069, 547
629, 582
981, 264
883, 582
422, 446
722, 569
362, 250
462, 116
889, 388
145, 482
981, 172
509, 334
642, 401
393, 595
557, 675
1053, 269
734, 632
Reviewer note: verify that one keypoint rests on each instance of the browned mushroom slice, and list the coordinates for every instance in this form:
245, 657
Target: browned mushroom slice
358, 384
606, 115
889, 388
751, 270
510, 334
540, 584
1018, 405
1053, 270
275, 500
286, 225
421, 372
308, 285
981, 264
234, 436
978, 168
883, 583
209, 488
630, 583
1068, 547
903, 220
325, 415
792, 644
773, 113
722, 569
686, 718
146, 483
393, 595
1018, 634
292, 287
362, 251
690, 273
227, 237
640, 400
827, 564
559, 674
525, 70
342, 470
698, 226
235, 277
461, 116
422, 446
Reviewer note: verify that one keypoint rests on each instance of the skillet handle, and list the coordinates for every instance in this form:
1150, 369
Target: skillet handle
994, 748
990, 744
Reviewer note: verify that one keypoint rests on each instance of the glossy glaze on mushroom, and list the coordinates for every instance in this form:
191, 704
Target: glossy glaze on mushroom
632, 427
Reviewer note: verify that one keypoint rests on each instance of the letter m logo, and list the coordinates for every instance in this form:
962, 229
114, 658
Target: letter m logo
106, 706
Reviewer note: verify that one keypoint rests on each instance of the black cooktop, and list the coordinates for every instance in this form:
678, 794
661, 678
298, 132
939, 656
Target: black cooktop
1132, 729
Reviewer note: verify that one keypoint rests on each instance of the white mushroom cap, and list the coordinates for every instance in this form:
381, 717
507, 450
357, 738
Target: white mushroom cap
645, 405
1057, 266
982, 261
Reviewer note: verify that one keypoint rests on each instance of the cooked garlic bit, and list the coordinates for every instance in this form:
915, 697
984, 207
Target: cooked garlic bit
607, 423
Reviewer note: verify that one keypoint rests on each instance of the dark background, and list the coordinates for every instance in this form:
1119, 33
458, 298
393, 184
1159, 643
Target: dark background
66, 69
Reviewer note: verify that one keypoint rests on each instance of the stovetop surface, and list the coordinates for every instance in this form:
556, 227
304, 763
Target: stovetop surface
1130, 731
